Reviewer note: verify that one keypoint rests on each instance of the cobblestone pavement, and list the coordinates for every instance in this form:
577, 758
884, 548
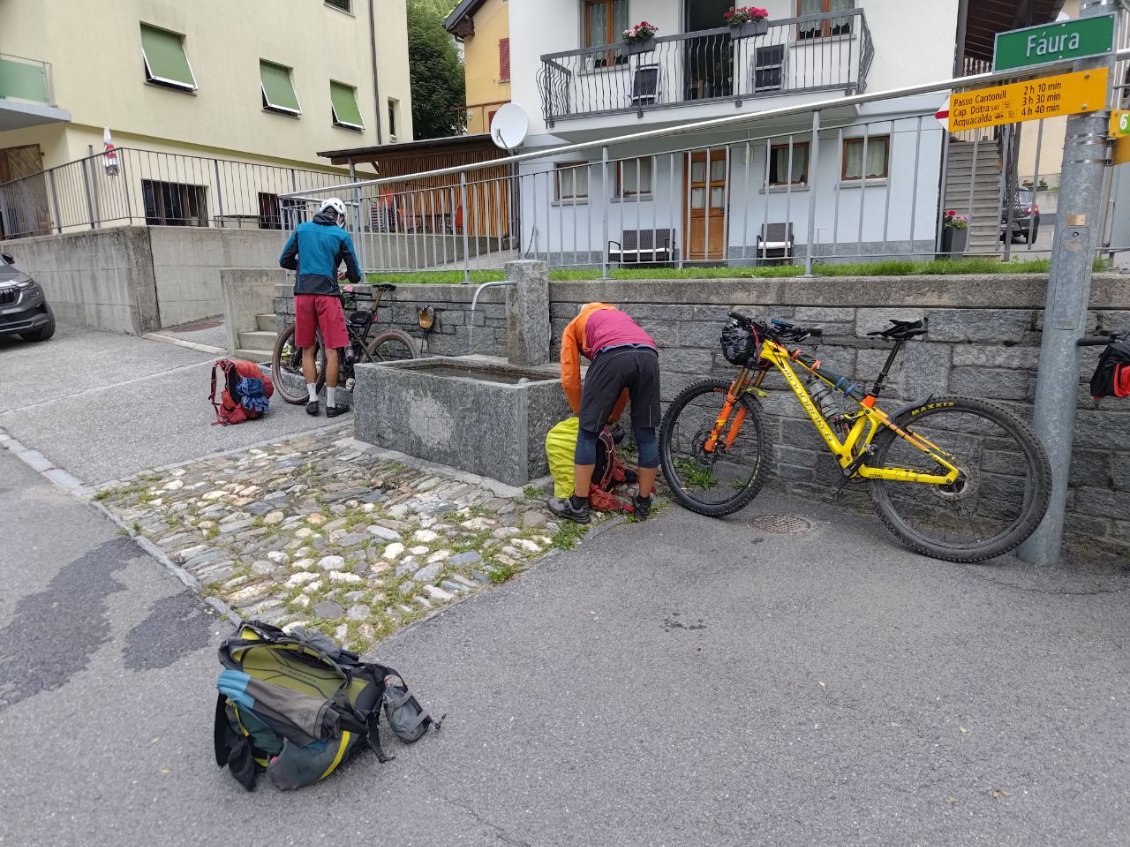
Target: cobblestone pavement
320, 530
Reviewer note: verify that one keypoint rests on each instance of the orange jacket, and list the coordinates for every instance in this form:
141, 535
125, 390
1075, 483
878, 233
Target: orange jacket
574, 344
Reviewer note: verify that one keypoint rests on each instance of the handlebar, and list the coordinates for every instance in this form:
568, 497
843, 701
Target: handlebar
777, 329
1102, 340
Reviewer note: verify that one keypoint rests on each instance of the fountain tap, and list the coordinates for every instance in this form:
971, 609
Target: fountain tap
474, 302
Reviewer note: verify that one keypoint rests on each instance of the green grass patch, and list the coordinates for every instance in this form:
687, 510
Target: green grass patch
435, 277
884, 267
568, 535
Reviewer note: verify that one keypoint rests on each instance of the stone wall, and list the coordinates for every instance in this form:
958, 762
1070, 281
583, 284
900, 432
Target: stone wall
984, 337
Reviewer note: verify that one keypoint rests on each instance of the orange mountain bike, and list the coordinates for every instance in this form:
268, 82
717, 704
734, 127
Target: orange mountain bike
956, 478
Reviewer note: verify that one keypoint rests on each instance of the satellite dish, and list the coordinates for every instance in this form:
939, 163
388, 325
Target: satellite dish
509, 127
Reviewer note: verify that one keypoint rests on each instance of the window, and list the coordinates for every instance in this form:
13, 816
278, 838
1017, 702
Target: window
165, 59
572, 182
827, 26
769, 68
877, 157
604, 21
344, 5
780, 171
174, 204
504, 60
343, 103
633, 177
393, 111
277, 89
270, 212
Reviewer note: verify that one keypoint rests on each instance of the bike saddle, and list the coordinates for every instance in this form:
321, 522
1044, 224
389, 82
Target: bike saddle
385, 286
901, 330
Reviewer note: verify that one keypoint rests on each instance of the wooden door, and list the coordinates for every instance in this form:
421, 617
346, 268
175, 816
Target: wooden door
705, 204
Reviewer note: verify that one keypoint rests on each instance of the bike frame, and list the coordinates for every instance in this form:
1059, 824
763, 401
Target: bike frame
853, 450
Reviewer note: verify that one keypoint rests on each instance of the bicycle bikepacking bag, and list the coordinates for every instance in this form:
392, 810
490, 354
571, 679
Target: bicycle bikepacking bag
296, 705
1112, 375
610, 472
246, 391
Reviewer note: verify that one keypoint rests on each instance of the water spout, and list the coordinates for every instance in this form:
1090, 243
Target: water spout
474, 302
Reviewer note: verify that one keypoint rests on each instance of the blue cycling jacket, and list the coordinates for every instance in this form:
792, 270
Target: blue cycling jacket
316, 249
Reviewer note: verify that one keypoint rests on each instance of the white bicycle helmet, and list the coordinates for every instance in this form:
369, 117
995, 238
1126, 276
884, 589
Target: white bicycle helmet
335, 204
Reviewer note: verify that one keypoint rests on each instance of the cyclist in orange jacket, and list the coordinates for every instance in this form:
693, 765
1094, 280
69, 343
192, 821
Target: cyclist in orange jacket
625, 363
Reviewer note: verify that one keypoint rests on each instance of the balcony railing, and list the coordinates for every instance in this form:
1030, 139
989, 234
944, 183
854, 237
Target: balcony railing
25, 79
807, 53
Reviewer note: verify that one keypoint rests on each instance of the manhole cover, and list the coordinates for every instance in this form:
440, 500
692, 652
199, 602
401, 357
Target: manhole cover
780, 524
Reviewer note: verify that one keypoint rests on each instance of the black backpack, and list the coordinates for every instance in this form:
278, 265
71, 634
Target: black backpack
296, 705
1112, 375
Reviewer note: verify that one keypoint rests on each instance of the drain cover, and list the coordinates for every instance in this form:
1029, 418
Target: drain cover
780, 524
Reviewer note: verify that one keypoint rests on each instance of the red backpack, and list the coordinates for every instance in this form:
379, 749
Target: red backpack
1112, 375
246, 391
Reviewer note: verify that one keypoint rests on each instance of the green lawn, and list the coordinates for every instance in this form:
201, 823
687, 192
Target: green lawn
889, 267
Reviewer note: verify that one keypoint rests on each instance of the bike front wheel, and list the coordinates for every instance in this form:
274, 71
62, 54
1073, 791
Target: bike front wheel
286, 367
392, 345
998, 499
723, 479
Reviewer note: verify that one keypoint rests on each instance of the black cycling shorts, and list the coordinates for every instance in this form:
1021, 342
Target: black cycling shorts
633, 368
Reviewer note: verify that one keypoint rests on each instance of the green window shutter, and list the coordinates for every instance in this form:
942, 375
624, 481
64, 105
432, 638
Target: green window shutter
278, 90
23, 81
343, 98
165, 61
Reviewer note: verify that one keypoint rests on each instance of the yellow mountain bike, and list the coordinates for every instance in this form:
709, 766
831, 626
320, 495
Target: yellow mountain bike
956, 478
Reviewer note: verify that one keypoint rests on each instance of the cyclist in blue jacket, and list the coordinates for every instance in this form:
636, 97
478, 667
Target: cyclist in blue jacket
316, 250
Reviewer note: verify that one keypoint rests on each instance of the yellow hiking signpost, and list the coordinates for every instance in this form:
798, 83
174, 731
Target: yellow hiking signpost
1032, 100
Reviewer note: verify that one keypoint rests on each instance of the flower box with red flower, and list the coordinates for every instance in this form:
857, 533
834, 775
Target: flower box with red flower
747, 21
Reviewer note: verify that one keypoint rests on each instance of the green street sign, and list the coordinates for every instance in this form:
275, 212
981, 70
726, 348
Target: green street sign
1041, 45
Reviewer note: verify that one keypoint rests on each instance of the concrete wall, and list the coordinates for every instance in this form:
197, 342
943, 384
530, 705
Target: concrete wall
247, 292
138, 279
187, 263
984, 337
102, 280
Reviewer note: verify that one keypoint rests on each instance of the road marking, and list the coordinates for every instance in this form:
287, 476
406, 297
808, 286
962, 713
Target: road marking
108, 387
180, 342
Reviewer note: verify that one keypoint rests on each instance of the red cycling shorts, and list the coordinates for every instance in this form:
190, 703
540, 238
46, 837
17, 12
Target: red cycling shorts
323, 312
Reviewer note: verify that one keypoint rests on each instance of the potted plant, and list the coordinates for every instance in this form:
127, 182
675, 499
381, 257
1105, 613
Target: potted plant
955, 233
747, 21
641, 37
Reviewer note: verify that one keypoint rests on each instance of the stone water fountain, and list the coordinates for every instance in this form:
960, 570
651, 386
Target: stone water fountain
480, 414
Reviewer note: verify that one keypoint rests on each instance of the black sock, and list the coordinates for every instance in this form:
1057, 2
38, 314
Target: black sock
579, 502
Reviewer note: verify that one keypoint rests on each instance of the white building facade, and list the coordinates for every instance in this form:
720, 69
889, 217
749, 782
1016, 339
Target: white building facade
872, 174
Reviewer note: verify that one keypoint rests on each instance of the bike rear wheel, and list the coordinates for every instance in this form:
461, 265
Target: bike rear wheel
392, 345
998, 500
723, 480
286, 367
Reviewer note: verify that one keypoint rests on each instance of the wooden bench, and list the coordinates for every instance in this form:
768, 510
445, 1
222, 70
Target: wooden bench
643, 245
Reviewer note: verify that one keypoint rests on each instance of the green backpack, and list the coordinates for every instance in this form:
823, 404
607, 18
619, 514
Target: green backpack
296, 705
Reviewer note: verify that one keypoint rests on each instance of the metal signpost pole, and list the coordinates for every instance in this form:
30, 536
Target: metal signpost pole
1077, 235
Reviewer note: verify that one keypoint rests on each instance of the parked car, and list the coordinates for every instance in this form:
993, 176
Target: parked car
1025, 216
23, 306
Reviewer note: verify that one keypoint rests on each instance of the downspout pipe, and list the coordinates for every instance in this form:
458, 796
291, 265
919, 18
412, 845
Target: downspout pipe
376, 74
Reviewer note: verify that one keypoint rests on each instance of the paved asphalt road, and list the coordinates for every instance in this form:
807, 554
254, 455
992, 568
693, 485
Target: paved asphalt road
104, 406
685, 681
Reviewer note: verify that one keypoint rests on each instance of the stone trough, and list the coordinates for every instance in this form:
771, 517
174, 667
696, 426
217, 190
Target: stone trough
480, 415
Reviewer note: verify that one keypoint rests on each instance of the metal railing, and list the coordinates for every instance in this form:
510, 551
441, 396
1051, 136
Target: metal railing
810, 53
147, 187
25, 79
845, 188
